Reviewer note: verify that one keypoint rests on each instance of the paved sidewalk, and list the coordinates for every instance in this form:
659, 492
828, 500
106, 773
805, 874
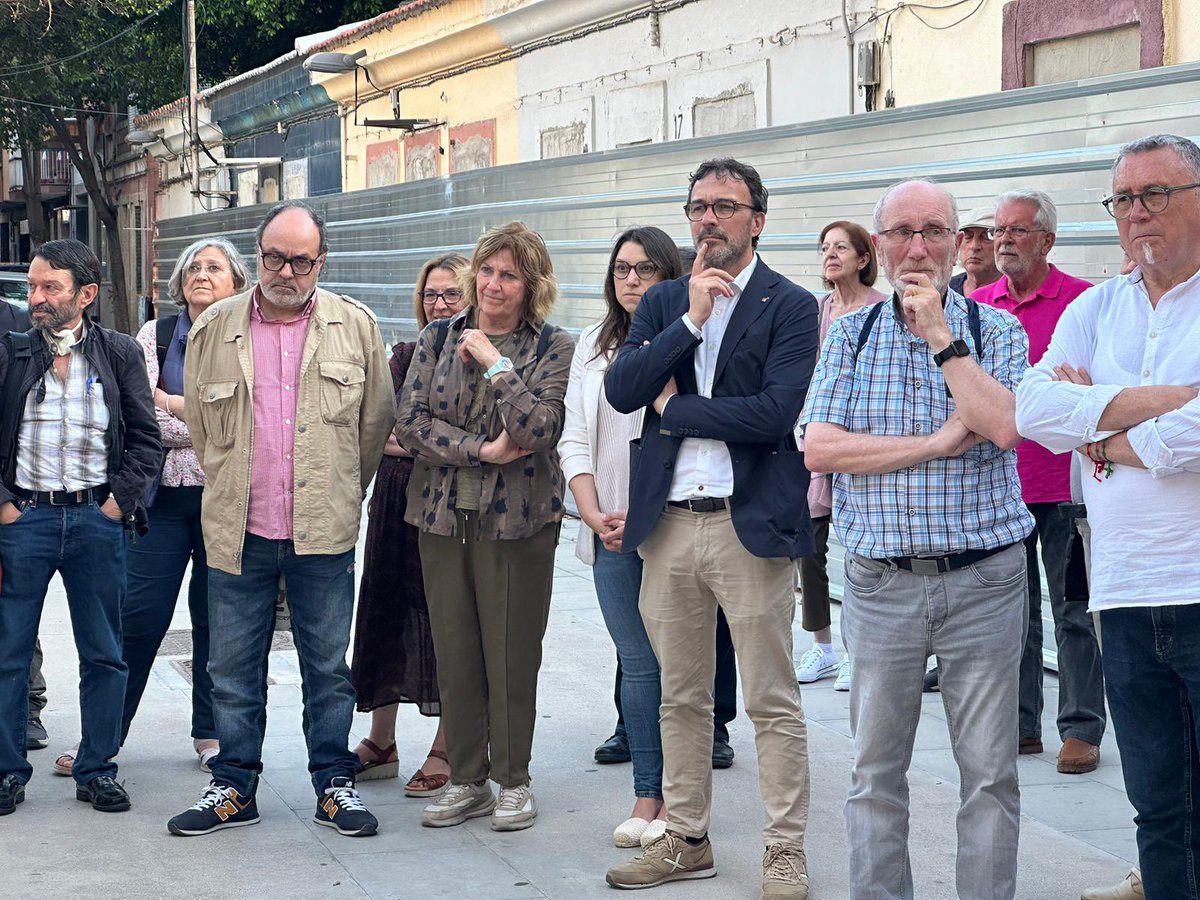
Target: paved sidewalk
1076, 830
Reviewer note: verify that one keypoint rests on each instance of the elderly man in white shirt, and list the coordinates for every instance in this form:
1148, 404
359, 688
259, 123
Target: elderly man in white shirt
1118, 384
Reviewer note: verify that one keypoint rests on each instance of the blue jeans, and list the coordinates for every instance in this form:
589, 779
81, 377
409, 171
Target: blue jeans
88, 550
157, 562
1151, 659
618, 578
241, 619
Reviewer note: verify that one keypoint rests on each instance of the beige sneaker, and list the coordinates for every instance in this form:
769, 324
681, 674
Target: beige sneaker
785, 873
670, 858
1129, 889
516, 809
459, 803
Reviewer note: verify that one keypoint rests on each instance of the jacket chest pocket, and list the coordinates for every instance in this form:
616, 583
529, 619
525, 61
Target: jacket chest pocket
218, 412
341, 391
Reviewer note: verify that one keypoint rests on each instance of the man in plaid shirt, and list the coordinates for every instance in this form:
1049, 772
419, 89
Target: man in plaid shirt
912, 407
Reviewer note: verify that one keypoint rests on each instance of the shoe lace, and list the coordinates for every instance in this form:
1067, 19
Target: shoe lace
453, 794
347, 798
780, 864
213, 795
812, 658
512, 799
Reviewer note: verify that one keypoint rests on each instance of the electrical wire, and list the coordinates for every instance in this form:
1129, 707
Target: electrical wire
35, 67
956, 22
50, 105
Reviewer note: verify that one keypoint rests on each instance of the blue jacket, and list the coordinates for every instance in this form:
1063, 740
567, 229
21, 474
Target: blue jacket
763, 369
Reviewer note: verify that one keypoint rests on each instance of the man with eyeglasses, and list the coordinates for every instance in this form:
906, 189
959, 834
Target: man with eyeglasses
288, 398
1037, 292
912, 407
717, 510
1119, 385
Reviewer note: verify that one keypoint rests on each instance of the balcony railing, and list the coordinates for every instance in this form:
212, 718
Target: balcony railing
55, 169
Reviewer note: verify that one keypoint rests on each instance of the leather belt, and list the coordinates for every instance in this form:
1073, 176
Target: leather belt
701, 504
97, 494
938, 565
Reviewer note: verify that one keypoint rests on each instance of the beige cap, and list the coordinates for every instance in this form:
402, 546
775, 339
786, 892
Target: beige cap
982, 217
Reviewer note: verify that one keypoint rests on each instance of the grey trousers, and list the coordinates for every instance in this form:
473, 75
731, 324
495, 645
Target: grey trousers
37, 683
974, 620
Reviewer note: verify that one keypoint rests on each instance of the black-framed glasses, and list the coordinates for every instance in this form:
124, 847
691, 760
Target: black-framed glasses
1154, 200
1016, 232
932, 234
450, 296
645, 269
301, 265
722, 209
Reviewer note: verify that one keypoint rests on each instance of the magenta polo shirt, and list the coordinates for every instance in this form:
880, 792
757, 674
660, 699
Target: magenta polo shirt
1045, 477
278, 348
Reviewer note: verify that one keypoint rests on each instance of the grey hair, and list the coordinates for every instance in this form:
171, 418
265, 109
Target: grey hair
877, 216
237, 265
1187, 150
1047, 213
317, 219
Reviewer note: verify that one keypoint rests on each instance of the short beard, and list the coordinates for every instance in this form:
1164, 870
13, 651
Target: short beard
721, 256
287, 300
58, 317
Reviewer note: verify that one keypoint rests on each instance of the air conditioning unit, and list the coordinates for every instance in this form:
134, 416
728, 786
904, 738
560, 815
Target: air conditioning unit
868, 64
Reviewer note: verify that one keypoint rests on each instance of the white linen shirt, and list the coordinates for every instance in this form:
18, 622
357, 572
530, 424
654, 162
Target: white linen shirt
703, 467
1144, 550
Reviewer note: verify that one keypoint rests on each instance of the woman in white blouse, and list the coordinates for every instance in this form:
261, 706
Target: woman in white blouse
595, 459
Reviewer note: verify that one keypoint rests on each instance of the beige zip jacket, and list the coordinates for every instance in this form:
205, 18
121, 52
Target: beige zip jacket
344, 412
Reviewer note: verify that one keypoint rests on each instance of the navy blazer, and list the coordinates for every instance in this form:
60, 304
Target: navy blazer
766, 359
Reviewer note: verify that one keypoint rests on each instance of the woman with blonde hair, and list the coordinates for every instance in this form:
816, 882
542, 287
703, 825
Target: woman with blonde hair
481, 413
394, 660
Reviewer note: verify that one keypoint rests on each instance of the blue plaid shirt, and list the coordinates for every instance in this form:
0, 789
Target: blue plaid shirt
948, 505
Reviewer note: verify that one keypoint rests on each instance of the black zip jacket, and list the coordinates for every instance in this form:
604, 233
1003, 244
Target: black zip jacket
135, 451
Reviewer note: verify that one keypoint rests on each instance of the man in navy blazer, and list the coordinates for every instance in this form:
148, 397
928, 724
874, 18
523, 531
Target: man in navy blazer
717, 510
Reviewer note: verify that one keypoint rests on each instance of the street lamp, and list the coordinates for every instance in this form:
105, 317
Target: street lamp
142, 138
341, 63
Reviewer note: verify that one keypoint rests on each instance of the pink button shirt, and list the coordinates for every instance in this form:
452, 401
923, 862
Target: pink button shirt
1045, 477
278, 348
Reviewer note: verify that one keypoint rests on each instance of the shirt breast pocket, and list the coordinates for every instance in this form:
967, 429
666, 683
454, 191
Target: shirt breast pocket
341, 391
218, 412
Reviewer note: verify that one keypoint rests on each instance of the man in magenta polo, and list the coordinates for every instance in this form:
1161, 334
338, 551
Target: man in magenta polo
1037, 292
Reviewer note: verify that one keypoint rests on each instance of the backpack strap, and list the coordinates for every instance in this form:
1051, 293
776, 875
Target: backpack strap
864, 333
440, 329
973, 324
543, 344
164, 330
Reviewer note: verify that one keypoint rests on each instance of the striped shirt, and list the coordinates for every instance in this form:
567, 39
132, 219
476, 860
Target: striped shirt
947, 505
63, 441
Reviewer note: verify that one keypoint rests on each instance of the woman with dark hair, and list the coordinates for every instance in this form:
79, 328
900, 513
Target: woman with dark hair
595, 458
481, 413
394, 660
849, 268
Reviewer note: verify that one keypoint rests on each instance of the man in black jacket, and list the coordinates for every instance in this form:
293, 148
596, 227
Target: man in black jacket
79, 446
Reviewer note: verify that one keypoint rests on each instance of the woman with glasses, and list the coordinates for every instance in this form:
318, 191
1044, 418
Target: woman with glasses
848, 269
208, 270
595, 460
394, 660
482, 412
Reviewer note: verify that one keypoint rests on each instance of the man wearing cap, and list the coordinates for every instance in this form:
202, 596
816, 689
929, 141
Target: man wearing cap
1037, 293
976, 254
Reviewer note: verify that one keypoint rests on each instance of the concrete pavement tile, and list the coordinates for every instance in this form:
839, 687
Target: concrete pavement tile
1072, 806
460, 874
1120, 842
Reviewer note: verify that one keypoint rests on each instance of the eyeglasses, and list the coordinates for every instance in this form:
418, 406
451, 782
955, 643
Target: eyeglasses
645, 269
212, 270
450, 296
1016, 232
722, 209
1154, 200
931, 235
301, 265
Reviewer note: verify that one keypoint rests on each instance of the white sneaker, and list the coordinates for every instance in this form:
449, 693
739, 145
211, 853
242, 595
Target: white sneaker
629, 833
815, 665
515, 809
843, 676
459, 803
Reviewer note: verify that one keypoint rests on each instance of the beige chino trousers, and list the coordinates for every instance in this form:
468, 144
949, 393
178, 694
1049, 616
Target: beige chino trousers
693, 563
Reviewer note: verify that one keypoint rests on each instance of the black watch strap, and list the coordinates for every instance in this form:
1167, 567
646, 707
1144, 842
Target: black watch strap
956, 348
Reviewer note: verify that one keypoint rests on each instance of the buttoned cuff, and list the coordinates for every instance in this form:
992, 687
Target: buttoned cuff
1085, 420
691, 326
1152, 451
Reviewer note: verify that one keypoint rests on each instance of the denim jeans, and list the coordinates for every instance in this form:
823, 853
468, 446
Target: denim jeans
618, 578
973, 619
1080, 678
157, 563
241, 619
88, 550
1152, 669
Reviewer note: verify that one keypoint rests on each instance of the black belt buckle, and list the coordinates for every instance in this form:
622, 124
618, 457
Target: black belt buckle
929, 565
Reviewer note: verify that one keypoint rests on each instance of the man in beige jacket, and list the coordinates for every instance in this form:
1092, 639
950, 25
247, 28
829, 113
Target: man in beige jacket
289, 402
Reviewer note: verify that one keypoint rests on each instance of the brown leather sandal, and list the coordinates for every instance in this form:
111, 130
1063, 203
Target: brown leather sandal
422, 785
382, 763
